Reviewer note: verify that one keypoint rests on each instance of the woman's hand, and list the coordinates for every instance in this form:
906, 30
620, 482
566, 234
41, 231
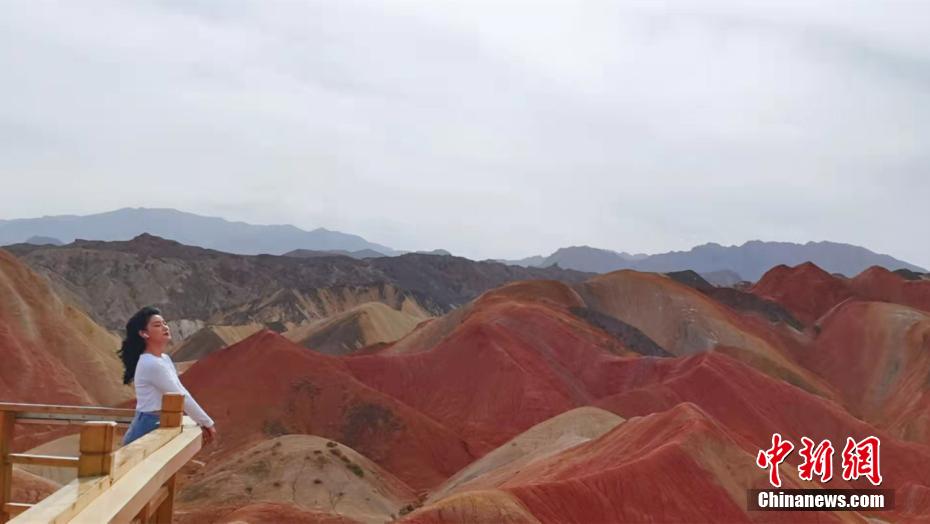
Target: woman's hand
208, 434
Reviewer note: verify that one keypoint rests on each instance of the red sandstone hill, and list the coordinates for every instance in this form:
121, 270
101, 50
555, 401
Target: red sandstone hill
306, 473
679, 465
809, 292
877, 355
52, 352
753, 406
499, 369
266, 386
685, 321
519, 354
877, 283
805, 290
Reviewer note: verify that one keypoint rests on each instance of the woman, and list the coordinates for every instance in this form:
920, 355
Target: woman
147, 364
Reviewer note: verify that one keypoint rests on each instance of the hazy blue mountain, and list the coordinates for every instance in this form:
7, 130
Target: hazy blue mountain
359, 255
591, 259
187, 228
724, 263
752, 259
534, 261
44, 241
723, 277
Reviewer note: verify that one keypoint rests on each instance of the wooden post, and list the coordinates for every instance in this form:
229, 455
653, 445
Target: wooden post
172, 410
97, 440
165, 511
172, 413
7, 419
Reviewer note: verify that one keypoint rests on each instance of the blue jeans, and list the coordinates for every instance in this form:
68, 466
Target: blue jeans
141, 424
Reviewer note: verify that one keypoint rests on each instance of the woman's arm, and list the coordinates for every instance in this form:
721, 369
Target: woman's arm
165, 378
192, 408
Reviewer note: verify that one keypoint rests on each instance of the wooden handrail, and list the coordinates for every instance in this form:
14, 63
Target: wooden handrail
15, 508
130, 495
100, 412
55, 414
134, 482
42, 460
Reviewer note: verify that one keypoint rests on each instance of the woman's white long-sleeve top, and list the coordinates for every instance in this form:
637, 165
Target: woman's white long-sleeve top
156, 376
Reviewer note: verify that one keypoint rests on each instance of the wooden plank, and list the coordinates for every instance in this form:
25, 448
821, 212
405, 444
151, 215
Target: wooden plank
128, 456
97, 411
53, 422
43, 460
163, 493
96, 446
7, 423
62, 505
126, 498
172, 410
150, 509
15, 508
164, 508
28, 417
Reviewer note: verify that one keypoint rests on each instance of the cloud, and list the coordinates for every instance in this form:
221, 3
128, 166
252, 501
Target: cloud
490, 129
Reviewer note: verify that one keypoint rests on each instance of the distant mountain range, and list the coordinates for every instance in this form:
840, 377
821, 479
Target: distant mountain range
359, 255
186, 228
593, 260
748, 261
718, 264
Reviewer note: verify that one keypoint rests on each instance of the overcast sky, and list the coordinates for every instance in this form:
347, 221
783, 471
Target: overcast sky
497, 129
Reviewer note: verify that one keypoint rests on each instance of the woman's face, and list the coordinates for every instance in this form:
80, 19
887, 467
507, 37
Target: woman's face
156, 331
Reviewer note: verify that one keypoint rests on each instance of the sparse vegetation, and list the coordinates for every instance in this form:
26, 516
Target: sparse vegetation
274, 428
410, 508
367, 419
259, 468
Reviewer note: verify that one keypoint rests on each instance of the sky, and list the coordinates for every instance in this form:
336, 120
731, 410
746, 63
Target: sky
492, 129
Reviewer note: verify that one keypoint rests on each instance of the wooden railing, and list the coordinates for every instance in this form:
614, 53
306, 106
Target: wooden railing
135, 483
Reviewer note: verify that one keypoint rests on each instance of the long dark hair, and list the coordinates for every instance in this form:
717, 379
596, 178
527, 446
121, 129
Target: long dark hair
134, 345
